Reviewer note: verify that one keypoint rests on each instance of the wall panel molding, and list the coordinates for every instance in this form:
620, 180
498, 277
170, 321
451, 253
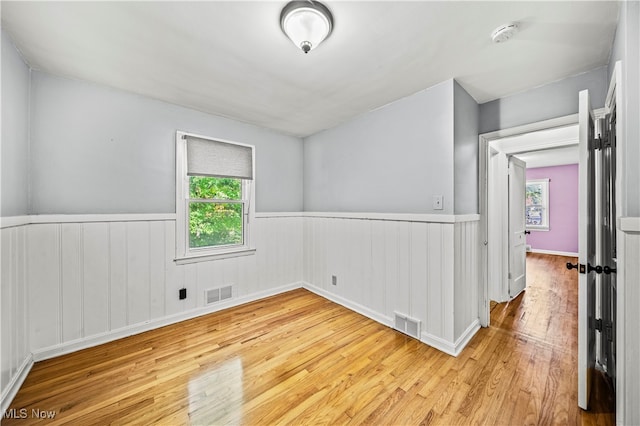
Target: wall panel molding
14, 221
98, 339
628, 318
84, 218
395, 217
93, 281
356, 307
15, 357
421, 269
10, 390
629, 224
84, 280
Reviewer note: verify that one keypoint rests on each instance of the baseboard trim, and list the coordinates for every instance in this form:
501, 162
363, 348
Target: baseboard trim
439, 343
448, 347
466, 336
16, 383
555, 252
356, 307
99, 339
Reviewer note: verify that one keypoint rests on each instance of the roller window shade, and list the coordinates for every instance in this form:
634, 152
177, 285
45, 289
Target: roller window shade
218, 159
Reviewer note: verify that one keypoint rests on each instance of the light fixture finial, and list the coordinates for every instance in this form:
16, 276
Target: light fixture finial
306, 23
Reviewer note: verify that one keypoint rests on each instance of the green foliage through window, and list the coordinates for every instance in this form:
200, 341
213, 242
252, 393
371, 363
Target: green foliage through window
533, 194
208, 188
535, 204
215, 223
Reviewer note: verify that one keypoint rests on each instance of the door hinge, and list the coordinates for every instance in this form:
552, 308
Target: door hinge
597, 143
607, 141
602, 142
608, 328
605, 327
598, 325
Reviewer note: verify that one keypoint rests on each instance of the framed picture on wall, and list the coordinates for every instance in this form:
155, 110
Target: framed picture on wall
537, 204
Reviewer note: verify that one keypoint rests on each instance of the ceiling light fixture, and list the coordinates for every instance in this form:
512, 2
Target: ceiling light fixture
306, 23
504, 32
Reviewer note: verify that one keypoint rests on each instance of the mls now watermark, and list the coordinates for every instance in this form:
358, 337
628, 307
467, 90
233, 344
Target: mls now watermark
23, 413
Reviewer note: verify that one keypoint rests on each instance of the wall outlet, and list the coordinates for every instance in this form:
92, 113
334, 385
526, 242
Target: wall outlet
438, 202
182, 293
334, 280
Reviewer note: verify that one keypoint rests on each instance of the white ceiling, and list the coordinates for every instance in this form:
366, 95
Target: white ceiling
231, 58
551, 157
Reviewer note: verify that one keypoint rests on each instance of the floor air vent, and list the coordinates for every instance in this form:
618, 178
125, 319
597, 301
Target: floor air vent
407, 325
214, 295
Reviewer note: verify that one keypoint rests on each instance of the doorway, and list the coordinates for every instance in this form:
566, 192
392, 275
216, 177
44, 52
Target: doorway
596, 148
508, 160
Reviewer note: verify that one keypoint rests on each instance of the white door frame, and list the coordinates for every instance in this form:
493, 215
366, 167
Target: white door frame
500, 149
484, 151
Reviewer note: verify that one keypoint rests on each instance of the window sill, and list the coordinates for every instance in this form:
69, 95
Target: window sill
195, 258
543, 228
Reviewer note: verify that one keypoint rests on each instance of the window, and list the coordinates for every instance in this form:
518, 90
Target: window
214, 198
537, 204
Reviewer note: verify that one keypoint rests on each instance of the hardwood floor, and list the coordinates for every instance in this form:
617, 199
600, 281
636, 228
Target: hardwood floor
297, 358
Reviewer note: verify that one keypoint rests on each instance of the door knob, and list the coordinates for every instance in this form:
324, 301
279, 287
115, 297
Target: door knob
597, 269
527, 232
572, 265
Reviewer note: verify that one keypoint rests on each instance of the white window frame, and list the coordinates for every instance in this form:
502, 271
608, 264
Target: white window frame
545, 199
186, 254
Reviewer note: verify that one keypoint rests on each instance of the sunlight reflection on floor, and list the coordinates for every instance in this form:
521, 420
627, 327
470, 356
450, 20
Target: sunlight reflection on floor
216, 396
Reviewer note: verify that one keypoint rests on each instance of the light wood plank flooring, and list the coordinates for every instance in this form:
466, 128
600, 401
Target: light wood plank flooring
297, 358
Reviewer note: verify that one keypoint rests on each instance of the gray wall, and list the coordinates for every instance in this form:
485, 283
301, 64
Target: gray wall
15, 132
390, 160
552, 100
465, 147
617, 50
100, 150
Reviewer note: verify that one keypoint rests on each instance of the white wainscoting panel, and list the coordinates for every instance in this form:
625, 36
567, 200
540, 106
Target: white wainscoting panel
466, 269
91, 282
44, 265
16, 360
78, 281
628, 318
424, 270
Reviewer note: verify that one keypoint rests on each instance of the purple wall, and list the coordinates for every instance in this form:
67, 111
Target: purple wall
563, 209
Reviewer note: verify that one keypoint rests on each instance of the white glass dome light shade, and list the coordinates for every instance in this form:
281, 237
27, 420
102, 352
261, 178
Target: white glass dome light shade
306, 23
